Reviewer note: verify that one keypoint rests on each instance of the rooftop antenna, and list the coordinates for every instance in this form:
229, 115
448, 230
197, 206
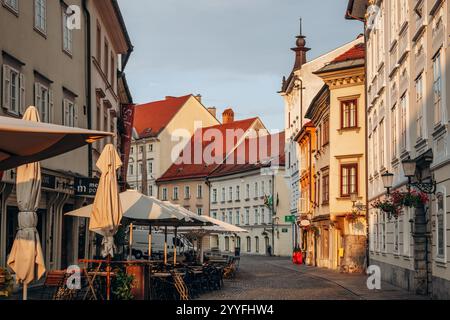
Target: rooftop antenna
301, 27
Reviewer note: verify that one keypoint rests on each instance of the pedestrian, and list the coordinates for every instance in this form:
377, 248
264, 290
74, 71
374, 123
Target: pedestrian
269, 250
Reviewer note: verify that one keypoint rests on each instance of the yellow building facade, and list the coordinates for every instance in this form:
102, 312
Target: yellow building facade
334, 224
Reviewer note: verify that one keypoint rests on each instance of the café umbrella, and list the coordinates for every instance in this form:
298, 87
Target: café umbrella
26, 258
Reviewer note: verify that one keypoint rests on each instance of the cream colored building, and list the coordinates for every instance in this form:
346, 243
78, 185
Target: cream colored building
297, 91
156, 137
408, 112
239, 196
45, 63
337, 241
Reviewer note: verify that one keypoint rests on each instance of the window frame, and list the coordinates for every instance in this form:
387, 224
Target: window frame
326, 189
43, 19
349, 167
437, 84
441, 257
344, 104
9, 6
66, 31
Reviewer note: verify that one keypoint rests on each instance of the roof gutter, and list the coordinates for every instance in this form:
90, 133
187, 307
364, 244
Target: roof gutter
126, 57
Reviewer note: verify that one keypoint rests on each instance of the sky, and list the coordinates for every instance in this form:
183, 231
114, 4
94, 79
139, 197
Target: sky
232, 52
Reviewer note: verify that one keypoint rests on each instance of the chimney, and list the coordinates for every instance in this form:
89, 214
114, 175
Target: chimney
199, 98
228, 116
213, 111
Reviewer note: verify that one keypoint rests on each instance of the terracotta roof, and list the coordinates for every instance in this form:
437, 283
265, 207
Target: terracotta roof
202, 142
357, 52
254, 153
151, 118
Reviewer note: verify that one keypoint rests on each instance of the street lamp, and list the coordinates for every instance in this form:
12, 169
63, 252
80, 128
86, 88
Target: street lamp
409, 168
388, 180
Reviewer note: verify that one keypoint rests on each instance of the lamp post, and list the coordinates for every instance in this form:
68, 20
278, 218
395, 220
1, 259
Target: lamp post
388, 180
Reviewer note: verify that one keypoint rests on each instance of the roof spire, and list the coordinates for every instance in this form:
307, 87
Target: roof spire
300, 49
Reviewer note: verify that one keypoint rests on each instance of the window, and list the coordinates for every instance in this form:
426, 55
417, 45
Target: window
113, 69
187, 192
394, 131
223, 217
99, 44
13, 90
396, 235
247, 191
223, 195
214, 215
230, 193
381, 141
440, 225
131, 169
263, 216
249, 244
383, 231
141, 149
420, 107
40, 15
106, 59
257, 244
349, 179
256, 189
437, 89
407, 231
238, 193
377, 231
150, 147
67, 33
326, 132
227, 243
44, 102
256, 217
214, 196
69, 112
150, 190
200, 211
403, 123
349, 114
238, 218
230, 217
326, 189
149, 166
199, 191
164, 194
175, 193
247, 216
12, 4
375, 149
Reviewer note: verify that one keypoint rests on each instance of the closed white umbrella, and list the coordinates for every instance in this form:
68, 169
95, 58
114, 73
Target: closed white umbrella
26, 258
107, 209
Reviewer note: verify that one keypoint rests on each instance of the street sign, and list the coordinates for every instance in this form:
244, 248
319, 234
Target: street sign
86, 186
290, 219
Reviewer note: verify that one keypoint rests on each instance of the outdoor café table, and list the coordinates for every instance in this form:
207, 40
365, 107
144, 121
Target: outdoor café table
162, 287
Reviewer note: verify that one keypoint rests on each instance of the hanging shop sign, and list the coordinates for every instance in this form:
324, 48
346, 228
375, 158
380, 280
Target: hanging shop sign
86, 186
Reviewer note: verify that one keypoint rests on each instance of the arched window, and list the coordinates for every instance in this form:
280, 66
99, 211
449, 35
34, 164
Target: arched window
227, 244
249, 244
257, 244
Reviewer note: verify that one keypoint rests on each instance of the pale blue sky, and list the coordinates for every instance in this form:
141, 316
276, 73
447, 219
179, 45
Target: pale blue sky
232, 52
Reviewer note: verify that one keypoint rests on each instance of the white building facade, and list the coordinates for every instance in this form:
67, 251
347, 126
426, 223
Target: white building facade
408, 119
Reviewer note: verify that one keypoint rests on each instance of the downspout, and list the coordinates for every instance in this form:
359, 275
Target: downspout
88, 80
366, 150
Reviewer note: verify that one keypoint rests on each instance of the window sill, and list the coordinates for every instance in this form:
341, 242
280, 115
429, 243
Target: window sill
68, 53
342, 130
11, 10
40, 32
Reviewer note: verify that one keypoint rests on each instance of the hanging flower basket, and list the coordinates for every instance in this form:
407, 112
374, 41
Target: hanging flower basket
389, 207
413, 199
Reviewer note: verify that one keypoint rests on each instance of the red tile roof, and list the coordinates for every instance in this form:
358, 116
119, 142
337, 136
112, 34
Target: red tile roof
192, 164
151, 118
254, 153
355, 53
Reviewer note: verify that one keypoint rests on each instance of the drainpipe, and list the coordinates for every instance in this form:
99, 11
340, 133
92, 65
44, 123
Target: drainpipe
366, 139
88, 80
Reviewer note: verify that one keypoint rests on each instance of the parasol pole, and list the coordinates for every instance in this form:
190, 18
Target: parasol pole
131, 242
165, 245
150, 244
175, 248
25, 291
108, 278
201, 249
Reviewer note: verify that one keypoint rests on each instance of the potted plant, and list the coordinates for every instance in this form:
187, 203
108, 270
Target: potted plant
388, 206
123, 285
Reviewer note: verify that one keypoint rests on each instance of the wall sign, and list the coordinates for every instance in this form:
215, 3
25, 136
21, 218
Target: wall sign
86, 186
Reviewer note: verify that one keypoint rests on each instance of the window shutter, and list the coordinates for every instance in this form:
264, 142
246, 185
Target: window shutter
37, 97
75, 116
22, 94
51, 110
65, 112
6, 87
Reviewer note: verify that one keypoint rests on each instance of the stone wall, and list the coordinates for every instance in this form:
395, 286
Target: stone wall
354, 254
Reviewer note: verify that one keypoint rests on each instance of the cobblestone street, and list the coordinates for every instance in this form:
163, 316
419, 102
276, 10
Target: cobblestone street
278, 279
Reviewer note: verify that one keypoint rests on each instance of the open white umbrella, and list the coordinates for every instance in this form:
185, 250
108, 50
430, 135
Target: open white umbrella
217, 227
26, 258
23, 141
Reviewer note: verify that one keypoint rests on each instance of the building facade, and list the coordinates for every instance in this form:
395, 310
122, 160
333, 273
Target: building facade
158, 128
253, 196
408, 115
48, 67
298, 90
336, 234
